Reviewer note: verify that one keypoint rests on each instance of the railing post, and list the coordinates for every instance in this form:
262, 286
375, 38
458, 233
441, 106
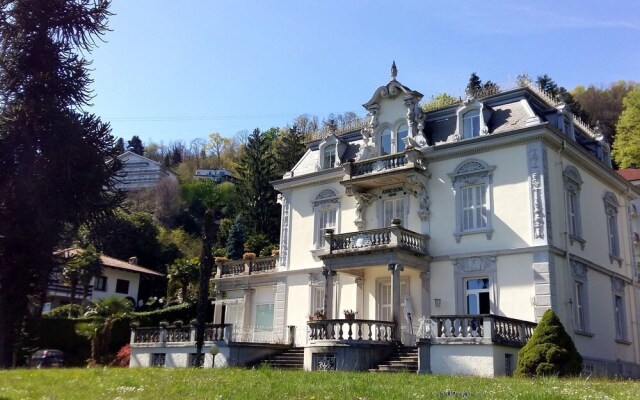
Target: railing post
247, 267
487, 327
133, 334
192, 333
328, 238
228, 331
162, 336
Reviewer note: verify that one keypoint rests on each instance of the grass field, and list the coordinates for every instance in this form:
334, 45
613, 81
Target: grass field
208, 384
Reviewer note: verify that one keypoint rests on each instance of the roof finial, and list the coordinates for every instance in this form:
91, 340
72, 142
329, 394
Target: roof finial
394, 71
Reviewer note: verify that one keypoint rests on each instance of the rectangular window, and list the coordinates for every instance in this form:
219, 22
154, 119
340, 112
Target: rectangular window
192, 360
317, 299
233, 314
573, 214
329, 156
612, 223
477, 296
474, 207
581, 322
385, 142
471, 124
384, 291
403, 132
326, 219
100, 284
264, 317
158, 359
621, 320
122, 286
393, 208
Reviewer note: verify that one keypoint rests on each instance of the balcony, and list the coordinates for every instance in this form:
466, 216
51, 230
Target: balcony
398, 168
452, 329
375, 246
236, 268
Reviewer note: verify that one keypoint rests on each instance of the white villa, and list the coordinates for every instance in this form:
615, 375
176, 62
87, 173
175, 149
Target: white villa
139, 172
449, 231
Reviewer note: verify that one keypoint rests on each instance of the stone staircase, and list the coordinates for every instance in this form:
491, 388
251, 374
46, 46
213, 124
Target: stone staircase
292, 358
403, 359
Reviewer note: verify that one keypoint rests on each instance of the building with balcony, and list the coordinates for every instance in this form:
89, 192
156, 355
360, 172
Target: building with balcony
451, 228
216, 175
139, 172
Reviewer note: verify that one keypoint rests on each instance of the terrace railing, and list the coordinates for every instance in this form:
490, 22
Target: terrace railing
391, 237
493, 328
246, 267
179, 334
351, 330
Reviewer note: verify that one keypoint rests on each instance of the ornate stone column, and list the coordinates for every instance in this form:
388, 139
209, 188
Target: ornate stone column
425, 296
329, 276
217, 308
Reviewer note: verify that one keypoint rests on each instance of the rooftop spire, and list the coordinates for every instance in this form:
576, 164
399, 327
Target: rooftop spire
394, 71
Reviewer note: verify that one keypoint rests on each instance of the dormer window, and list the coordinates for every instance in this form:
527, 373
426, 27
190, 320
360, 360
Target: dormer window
392, 141
403, 131
329, 156
385, 142
472, 118
471, 124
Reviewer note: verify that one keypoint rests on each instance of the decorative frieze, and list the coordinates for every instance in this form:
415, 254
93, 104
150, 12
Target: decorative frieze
579, 269
284, 231
473, 264
538, 192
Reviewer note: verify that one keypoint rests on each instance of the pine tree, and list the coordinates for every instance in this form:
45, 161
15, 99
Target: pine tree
290, 149
119, 147
626, 147
52, 153
135, 145
550, 351
257, 169
235, 242
474, 85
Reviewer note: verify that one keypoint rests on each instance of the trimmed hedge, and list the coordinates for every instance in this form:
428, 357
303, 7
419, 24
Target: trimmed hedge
550, 351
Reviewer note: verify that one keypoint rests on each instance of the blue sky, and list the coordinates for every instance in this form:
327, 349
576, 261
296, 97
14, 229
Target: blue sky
179, 70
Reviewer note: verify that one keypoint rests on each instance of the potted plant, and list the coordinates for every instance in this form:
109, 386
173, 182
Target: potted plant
220, 260
349, 314
319, 314
177, 324
164, 324
249, 256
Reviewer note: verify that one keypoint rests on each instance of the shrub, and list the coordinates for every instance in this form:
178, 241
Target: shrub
123, 357
550, 351
66, 311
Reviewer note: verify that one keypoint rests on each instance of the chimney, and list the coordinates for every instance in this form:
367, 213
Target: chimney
133, 260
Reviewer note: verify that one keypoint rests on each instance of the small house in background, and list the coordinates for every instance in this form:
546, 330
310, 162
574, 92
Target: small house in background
140, 172
216, 175
118, 277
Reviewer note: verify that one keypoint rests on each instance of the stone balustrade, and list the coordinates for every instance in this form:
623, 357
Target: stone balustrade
179, 334
378, 164
493, 328
246, 267
351, 330
391, 237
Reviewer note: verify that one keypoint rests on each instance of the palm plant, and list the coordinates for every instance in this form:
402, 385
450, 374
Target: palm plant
184, 271
103, 314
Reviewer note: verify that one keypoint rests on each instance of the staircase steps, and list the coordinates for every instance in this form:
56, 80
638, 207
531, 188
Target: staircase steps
403, 359
289, 359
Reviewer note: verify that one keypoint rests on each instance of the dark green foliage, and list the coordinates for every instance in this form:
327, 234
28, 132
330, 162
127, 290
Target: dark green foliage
476, 88
119, 146
206, 269
61, 334
235, 243
290, 148
52, 153
255, 243
626, 148
257, 169
135, 145
550, 351
66, 311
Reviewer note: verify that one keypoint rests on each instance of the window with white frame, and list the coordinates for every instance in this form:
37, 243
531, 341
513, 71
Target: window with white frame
393, 208
476, 285
580, 296
100, 284
317, 299
477, 296
403, 132
392, 141
572, 185
611, 211
471, 124
384, 298
233, 313
619, 312
385, 142
329, 156
472, 181
325, 207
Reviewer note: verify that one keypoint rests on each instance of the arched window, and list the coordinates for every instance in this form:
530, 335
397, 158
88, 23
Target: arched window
385, 142
403, 131
329, 156
325, 209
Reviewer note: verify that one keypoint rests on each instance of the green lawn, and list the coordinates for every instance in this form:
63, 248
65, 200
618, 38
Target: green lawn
169, 384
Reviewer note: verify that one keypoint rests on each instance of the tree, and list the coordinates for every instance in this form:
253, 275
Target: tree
235, 242
184, 271
206, 269
474, 85
550, 351
290, 149
626, 147
547, 84
103, 314
135, 145
441, 100
216, 146
90, 266
257, 169
53, 172
119, 147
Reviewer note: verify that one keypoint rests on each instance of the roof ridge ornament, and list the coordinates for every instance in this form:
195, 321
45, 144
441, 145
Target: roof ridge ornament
394, 71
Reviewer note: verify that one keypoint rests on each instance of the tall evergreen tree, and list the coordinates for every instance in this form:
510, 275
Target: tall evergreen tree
474, 85
257, 169
290, 149
119, 147
135, 145
236, 239
52, 154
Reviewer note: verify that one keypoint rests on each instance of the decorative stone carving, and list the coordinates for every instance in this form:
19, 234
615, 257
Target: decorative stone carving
315, 279
363, 200
617, 284
325, 198
422, 195
535, 174
473, 264
324, 362
579, 269
284, 231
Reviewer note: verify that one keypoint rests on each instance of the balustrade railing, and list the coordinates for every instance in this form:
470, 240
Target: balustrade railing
179, 334
500, 330
394, 236
351, 330
378, 164
247, 267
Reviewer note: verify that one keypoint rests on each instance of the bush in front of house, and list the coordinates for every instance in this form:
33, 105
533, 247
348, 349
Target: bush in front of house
550, 351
